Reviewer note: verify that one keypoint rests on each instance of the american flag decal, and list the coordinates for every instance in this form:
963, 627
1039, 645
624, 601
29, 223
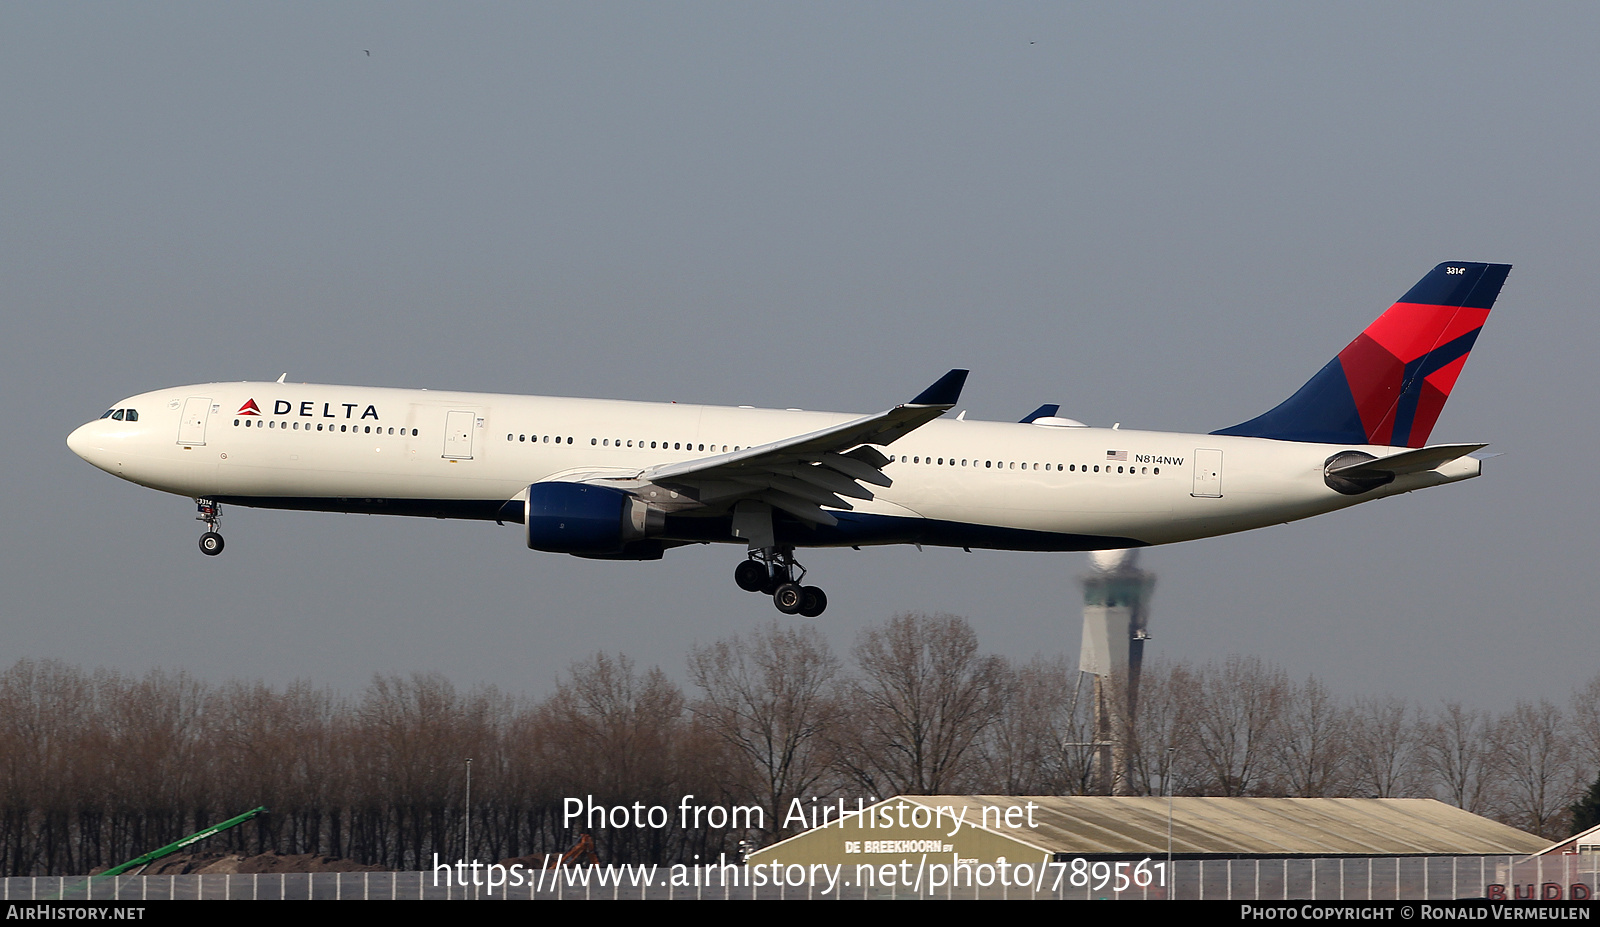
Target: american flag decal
1116, 455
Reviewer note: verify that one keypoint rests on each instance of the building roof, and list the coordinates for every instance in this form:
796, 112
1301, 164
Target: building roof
1583, 841
1085, 825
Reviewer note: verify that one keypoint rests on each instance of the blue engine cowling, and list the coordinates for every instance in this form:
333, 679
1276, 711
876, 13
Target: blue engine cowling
577, 518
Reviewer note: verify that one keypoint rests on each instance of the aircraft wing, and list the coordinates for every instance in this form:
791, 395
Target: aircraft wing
800, 475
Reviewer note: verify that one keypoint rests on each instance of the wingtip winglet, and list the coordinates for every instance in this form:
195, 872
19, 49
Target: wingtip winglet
945, 391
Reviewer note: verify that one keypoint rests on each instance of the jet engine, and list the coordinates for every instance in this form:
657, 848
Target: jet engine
578, 518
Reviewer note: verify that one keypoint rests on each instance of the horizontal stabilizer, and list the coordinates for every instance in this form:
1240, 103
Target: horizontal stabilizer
1355, 472
1417, 461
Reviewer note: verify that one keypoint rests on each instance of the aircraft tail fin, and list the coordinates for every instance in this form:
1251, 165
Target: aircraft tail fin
1389, 385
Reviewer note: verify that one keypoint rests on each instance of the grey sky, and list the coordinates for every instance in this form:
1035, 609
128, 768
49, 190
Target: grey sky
1166, 215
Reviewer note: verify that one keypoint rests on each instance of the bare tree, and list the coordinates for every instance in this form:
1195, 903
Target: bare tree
1166, 754
1458, 752
618, 737
923, 698
1033, 746
1536, 768
769, 696
1585, 727
1386, 745
1238, 707
1310, 744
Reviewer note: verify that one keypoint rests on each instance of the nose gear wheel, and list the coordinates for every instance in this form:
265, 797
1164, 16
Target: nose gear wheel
210, 512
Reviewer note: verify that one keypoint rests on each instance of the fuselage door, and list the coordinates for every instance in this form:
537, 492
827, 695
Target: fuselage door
192, 429
1207, 474
458, 428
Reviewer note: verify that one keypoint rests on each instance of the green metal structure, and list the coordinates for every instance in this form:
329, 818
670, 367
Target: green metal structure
171, 848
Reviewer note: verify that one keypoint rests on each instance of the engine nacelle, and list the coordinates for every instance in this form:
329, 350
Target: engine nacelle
577, 518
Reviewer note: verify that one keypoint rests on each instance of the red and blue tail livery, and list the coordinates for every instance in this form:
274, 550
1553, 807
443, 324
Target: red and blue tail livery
1389, 385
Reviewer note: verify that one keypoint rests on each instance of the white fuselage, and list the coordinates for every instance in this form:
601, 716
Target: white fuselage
984, 484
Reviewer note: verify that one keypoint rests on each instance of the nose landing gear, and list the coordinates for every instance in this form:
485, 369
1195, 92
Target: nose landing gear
773, 571
210, 512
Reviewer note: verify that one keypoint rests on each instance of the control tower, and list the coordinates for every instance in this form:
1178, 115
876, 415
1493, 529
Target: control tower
1116, 599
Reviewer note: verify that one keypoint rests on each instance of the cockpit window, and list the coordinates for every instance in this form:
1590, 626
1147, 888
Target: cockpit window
133, 415
108, 413
117, 415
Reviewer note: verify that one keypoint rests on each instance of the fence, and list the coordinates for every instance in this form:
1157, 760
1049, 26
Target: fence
1549, 878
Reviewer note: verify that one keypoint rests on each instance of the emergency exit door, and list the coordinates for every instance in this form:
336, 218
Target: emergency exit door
1207, 474
458, 429
192, 428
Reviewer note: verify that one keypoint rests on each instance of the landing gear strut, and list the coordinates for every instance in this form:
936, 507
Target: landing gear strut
775, 572
211, 541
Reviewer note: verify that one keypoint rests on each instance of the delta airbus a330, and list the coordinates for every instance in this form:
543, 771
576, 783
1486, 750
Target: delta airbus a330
631, 480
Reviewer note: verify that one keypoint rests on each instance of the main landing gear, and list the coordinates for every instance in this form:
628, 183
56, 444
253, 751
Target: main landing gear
772, 571
211, 541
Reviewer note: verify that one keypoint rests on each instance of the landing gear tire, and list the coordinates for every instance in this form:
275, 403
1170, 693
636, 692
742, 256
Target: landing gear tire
751, 575
789, 597
813, 602
211, 543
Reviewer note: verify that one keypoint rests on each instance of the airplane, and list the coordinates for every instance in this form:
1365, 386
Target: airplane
617, 480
